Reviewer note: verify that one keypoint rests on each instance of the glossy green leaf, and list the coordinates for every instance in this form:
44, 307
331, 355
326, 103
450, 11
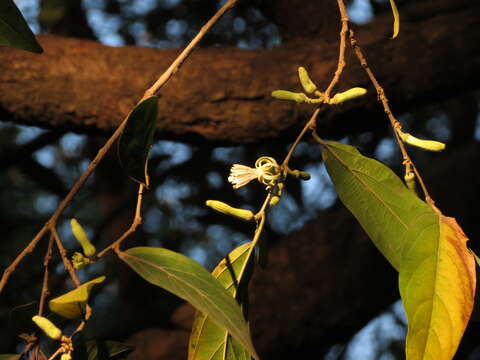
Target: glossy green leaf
72, 304
104, 350
437, 284
386, 209
14, 31
209, 341
10, 356
190, 281
137, 139
396, 19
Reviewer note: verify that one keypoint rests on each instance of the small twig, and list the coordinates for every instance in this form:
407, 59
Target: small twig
309, 125
137, 220
393, 121
188, 50
341, 53
46, 261
56, 353
63, 253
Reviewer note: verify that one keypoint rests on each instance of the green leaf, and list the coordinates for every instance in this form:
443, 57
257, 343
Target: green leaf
437, 285
72, 304
396, 19
103, 350
209, 341
386, 209
137, 139
10, 356
190, 281
14, 31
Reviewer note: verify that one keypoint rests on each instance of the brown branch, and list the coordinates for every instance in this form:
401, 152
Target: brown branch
224, 95
45, 292
66, 262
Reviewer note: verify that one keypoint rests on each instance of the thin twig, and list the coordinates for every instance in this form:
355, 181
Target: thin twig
188, 50
341, 53
395, 124
46, 261
154, 89
137, 220
63, 253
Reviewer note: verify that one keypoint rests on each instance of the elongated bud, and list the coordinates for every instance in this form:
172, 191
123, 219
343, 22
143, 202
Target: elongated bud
289, 95
274, 200
305, 80
48, 327
347, 95
82, 238
301, 174
430, 145
226, 209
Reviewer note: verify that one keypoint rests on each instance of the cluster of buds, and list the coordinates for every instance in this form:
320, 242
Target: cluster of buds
310, 88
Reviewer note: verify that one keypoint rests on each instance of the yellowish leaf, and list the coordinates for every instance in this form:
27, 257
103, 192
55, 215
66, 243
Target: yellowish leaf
437, 285
72, 304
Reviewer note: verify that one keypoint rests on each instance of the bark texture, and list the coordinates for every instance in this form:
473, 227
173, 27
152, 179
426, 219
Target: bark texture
222, 94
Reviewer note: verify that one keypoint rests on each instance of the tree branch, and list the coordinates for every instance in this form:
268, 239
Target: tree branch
223, 95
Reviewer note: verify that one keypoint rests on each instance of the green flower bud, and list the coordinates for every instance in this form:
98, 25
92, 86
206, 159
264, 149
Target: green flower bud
289, 95
301, 174
226, 209
410, 182
82, 238
347, 95
274, 200
79, 261
48, 327
430, 145
305, 80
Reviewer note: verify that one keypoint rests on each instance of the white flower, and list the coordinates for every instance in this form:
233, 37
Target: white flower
266, 170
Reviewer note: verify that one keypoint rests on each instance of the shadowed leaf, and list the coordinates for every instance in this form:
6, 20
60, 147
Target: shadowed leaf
72, 304
14, 31
209, 341
137, 139
190, 281
10, 356
383, 205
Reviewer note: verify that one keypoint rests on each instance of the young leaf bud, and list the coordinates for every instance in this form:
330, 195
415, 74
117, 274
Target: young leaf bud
79, 261
347, 95
226, 209
82, 238
305, 80
410, 182
47, 326
274, 200
289, 95
66, 356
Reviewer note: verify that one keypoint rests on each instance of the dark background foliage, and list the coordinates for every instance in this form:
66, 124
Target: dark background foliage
39, 165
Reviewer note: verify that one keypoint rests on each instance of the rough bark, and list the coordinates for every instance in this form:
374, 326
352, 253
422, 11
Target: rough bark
222, 94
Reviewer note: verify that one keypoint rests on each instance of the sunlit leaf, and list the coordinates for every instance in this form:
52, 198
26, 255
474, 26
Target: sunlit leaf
437, 285
386, 209
14, 31
190, 281
10, 356
209, 341
104, 350
396, 19
137, 139
72, 304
